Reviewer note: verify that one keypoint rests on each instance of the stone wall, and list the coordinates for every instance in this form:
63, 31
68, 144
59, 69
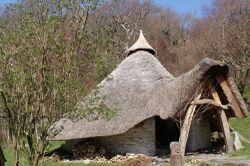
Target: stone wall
200, 135
140, 139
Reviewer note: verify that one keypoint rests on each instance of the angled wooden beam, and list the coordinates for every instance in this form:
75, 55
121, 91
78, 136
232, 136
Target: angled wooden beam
223, 122
230, 96
186, 126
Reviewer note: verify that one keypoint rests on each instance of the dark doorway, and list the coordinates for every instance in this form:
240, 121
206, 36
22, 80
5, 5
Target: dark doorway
166, 131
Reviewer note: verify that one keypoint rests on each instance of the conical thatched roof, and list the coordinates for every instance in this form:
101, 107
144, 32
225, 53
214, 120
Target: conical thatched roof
138, 89
141, 44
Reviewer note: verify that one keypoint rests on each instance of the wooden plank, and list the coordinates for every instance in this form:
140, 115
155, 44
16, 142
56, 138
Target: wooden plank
230, 96
186, 126
224, 123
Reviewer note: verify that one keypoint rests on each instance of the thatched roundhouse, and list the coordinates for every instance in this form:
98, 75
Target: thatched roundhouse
151, 106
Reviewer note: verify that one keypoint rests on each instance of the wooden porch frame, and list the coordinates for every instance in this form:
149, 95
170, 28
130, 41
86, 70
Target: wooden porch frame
221, 114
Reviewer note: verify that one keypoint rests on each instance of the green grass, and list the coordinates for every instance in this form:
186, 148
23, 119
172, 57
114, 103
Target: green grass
245, 152
243, 127
9, 155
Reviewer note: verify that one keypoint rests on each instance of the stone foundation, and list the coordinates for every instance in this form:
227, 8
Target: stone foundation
140, 140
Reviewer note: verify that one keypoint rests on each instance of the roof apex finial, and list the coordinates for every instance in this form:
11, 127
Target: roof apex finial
141, 32
141, 44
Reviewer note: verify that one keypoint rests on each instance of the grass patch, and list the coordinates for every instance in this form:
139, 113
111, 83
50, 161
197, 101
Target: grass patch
243, 127
245, 152
9, 155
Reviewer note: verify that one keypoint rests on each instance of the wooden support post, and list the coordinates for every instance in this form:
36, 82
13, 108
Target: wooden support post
175, 157
186, 126
224, 123
230, 96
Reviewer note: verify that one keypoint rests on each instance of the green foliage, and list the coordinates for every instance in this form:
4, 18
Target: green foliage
54, 145
93, 107
49, 61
